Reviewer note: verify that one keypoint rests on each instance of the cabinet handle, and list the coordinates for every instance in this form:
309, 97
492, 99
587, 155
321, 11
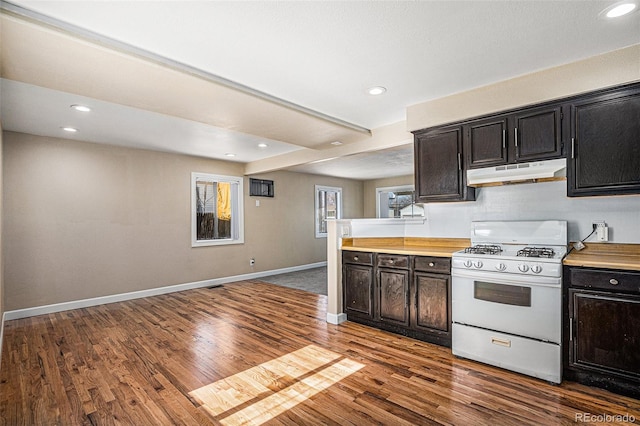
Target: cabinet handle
355, 258
504, 138
613, 281
573, 147
432, 264
459, 162
515, 134
391, 261
570, 328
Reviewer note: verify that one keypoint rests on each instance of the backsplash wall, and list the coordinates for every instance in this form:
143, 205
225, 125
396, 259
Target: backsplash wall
539, 201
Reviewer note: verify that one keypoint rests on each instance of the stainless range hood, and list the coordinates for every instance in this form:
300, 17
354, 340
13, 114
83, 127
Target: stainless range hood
518, 173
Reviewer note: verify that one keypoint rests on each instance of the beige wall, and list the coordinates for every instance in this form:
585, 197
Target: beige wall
369, 190
86, 220
1, 221
609, 69
281, 231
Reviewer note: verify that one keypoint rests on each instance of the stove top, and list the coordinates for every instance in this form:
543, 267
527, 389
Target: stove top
527, 247
517, 252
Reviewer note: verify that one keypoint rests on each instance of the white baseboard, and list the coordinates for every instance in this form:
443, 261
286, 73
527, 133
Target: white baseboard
85, 303
336, 318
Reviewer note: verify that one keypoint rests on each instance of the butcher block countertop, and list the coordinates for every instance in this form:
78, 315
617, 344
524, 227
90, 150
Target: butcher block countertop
606, 255
440, 247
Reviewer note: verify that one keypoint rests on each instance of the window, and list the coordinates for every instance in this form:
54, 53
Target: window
328, 206
397, 201
217, 215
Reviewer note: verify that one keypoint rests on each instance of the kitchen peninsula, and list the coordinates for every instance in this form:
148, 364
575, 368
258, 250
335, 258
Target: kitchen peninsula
402, 285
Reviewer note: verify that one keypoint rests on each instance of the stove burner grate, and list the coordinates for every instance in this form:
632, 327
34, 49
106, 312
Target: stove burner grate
483, 249
536, 252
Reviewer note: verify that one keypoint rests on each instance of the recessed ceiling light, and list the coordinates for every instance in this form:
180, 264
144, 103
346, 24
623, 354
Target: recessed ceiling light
229, 154
81, 108
619, 9
262, 145
377, 90
336, 143
70, 129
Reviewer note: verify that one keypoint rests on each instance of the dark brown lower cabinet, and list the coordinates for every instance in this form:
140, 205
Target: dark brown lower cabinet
432, 313
357, 283
603, 321
411, 294
393, 288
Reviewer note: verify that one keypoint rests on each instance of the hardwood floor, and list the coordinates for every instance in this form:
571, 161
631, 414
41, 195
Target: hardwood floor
252, 353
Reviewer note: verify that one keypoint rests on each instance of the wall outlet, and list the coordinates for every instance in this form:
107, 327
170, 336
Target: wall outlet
602, 230
252, 262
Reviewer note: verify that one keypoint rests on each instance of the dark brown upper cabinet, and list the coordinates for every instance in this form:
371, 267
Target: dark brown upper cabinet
537, 134
528, 135
439, 175
604, 156
486, 142
598, 133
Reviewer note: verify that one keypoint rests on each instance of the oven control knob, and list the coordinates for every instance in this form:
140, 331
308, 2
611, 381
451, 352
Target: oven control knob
536, 269
501, 266
523, 268
467, 264
477, 264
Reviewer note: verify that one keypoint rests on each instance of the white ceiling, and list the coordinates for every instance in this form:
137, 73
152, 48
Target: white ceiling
36, 110
320, 55
396, 161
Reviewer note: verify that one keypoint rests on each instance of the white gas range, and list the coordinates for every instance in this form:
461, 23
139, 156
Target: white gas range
507, 295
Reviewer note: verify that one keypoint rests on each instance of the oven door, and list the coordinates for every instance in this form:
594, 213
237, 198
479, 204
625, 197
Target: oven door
523, 305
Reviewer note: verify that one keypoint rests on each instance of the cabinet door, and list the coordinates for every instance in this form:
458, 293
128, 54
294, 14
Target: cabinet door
605, 335
605, 151
537, 134
393, 286
438, 166
485, 142
432, 300
358, 290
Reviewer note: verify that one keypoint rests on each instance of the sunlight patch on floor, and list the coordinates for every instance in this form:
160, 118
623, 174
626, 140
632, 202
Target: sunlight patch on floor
261, 393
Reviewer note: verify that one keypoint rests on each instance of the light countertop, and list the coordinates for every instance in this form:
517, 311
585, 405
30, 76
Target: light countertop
440, 247
606, 255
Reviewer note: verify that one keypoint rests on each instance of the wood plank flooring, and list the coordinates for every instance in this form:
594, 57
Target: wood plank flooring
256, 353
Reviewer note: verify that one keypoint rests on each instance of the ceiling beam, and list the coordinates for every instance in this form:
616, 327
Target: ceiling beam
384, 137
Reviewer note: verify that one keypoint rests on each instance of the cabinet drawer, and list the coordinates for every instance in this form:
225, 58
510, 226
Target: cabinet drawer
628, 282
392, 261
441, 265
357, 257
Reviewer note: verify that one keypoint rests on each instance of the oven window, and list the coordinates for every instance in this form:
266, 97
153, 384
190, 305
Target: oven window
501, 293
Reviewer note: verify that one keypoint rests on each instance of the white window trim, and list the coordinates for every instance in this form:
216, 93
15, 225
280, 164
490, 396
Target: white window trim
390, 189
238, 200
316, 207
